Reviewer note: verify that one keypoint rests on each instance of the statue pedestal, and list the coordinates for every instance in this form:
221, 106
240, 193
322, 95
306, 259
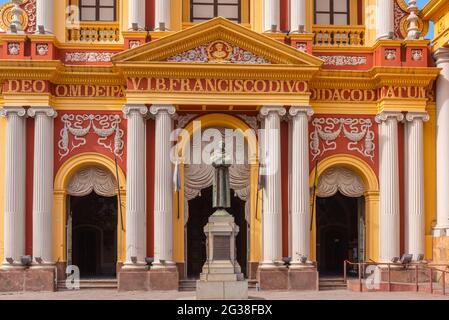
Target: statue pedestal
221, 277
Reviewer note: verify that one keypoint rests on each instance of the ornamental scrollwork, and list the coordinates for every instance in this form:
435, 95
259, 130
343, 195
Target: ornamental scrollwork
76, 128
358, 131
218, 52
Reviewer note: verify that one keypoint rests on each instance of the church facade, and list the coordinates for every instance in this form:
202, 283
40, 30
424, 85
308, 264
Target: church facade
335, 111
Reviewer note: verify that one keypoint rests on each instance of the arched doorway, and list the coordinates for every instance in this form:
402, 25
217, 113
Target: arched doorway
197, 194
340, 220
92, 222
200, 209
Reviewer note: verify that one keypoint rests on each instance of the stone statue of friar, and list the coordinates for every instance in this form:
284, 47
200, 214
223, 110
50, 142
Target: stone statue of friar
221, 198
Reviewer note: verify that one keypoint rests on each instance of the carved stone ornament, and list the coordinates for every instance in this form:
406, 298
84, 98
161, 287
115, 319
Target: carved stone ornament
301, 46
344, 60
42, 49
390, 54
358, 132
13, 48
183, 120
76, 128
88, 56
417, 54
218, 52
134, 44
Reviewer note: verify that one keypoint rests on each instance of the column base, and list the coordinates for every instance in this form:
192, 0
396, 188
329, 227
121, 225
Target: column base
132, 280
222, 290
404, 275
33, 280
272, 278
303, 278
163, 279
440, 249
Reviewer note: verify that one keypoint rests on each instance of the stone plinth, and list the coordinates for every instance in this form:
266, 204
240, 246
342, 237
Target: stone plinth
165, 279
303, 278
221, 290
275, 278
32, 279
37, 279
133, 280
221, 277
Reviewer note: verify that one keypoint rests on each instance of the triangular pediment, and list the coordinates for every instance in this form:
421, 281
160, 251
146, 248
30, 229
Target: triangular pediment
218, 41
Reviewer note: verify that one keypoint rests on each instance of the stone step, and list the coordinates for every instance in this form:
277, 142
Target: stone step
331, 283
187, 285
190, 285
92, 284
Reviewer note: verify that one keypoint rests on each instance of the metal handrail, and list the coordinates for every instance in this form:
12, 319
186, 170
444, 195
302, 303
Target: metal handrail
425, 266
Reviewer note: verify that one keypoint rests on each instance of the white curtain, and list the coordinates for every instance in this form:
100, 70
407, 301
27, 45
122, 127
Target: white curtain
340, 179
89, 179
201, 176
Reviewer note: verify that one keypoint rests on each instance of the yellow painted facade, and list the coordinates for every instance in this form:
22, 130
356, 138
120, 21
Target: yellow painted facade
288, 64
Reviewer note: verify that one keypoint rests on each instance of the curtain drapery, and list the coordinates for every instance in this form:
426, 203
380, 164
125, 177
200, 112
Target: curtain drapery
95, 179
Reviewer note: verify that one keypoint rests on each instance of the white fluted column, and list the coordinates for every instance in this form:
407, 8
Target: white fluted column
162, 15
15, 182
163, 187
442, 92
414, 183
272, 206
136, 13
385, 18
389, 217
136, 186
271, 15
44, 15
298, 11
43, 185
300, 201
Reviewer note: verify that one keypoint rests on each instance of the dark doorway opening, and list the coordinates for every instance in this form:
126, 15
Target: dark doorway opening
200, 209
94, 235
339, 226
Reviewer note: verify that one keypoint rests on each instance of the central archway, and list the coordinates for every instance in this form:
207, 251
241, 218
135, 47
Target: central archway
254, 211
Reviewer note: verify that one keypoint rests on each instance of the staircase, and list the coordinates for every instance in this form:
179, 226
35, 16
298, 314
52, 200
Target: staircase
91, 284
332, 283
187, 285
190, 284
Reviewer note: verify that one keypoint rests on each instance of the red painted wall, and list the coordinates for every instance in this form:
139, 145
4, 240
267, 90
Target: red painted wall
29, 186
342, 143
401, 140
284, 15
150, 13
91, 144
150, 186
284, 186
